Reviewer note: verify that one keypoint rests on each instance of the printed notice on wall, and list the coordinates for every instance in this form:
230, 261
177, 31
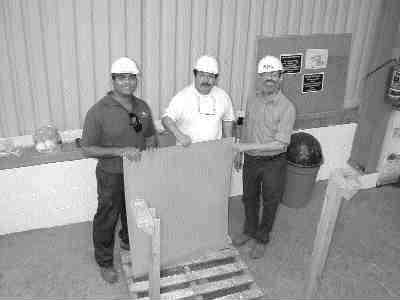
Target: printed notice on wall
291, 62
313, 82
316, 58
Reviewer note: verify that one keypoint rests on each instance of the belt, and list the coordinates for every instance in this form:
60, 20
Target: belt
265, 157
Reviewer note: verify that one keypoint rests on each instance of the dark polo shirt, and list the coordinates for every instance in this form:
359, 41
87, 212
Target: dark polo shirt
107, 124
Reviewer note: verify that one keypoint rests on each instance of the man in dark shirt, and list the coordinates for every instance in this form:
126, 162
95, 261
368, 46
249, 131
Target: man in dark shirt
118, 125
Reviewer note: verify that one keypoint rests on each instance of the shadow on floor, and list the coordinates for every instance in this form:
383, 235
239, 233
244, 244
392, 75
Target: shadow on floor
364, 261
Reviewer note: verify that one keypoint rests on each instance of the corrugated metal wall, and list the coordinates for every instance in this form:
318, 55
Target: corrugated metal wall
56, 54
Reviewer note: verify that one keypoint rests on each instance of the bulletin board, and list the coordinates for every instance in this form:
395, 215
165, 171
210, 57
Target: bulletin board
315, 74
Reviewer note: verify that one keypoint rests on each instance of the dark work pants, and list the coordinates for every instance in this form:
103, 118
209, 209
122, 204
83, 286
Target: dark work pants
111, 204
265, 175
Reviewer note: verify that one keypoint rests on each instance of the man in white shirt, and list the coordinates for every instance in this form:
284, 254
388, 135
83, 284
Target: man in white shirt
201, 111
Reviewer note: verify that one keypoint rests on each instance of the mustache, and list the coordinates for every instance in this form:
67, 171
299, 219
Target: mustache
205, 84
269, 81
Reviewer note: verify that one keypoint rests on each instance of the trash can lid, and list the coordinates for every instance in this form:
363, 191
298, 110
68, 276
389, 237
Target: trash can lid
304, 150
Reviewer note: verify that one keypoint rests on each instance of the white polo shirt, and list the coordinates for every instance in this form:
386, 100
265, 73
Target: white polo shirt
200, 116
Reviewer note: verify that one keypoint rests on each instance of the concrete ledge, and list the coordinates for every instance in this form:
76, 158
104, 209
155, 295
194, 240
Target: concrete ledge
68, 152
31, 157
325, 119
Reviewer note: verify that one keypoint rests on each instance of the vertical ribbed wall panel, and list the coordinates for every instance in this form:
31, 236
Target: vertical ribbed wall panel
152, 53
9, 121
183, 44
18, 78
168, 65
56, 54
240, 32
84, 55
134, 34
51, 42
256, 10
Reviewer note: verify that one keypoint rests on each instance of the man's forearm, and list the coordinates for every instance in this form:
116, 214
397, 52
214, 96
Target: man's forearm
98, 152
272, 146
170, 125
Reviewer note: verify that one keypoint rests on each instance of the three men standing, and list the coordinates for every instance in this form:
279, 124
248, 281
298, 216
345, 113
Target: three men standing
121, 124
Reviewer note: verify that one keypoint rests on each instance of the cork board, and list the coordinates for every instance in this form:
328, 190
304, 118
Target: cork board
315, 105
189, 188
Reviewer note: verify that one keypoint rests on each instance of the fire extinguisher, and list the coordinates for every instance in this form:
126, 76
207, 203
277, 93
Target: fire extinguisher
393, 92
394, 85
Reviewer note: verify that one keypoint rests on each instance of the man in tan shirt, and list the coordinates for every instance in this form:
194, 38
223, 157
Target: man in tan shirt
269, 120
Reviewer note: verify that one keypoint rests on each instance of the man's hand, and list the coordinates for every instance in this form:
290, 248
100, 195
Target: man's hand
238, 161
184, 140
151, 142
181, 138
131, 153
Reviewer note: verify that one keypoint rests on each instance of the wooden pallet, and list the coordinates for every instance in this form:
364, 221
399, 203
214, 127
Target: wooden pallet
214, 275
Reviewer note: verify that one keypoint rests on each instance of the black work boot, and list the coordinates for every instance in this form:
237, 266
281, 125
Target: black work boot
124, 245
240, 239
109, 274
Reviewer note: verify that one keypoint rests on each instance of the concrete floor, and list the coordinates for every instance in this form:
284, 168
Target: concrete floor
364, 261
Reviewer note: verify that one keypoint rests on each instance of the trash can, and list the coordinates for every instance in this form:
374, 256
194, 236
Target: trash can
304, 158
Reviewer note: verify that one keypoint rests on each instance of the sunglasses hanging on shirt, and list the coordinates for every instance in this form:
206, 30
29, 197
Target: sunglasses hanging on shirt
135, 122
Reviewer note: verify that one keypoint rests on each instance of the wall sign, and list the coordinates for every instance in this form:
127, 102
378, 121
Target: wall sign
312, 83
292, 62
316, 58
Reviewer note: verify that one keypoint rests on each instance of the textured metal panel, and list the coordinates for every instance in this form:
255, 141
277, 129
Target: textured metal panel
199, 25
239, 52
168, 63
254, 30
51, 41
306, 20
58, 52
226, 43
294, 16
117, 29
8, 116
19, 78
37, 67
152, 52
84, 55
69, 68
183, 41
213, 26
101, 47
134, 34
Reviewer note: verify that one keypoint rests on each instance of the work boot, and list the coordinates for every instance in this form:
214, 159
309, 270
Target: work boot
258, 250
124, 245
109, 274
240, 239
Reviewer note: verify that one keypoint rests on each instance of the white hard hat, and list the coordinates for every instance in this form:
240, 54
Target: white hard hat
124, 65
269, 64
207, 64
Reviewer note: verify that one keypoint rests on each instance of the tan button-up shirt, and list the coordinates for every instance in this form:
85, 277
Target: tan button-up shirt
269, 121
